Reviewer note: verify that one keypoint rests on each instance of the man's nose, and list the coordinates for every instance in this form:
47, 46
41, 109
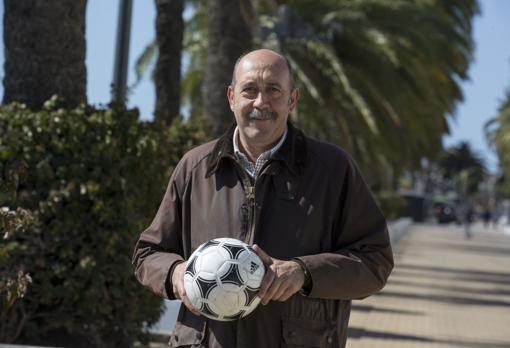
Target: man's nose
261, 101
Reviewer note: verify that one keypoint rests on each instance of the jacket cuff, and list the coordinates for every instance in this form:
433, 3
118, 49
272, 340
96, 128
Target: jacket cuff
308, 283
168, 281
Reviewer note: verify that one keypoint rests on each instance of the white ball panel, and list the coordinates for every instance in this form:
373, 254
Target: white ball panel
242, 260
231, 241
210, 276
212, 259
224, 269
192, 291
225, 299
255, 270
251, 307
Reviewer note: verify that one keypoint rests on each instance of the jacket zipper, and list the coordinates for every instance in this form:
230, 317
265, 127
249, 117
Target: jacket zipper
251, 197
249, 191
252, 204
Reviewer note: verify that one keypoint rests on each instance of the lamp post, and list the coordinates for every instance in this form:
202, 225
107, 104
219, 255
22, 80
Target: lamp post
120, 69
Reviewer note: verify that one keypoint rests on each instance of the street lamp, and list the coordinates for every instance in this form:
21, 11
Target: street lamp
120, 68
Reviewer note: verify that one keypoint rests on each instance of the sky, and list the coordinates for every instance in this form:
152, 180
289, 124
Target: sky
489, 79
483, 93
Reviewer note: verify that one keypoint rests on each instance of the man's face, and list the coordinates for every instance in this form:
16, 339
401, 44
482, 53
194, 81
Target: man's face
261, 98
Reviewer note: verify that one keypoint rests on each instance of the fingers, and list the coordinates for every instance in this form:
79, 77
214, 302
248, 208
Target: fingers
188, 305
280, 289
273, 291
267, 281
178, 287
282, 280
266, 259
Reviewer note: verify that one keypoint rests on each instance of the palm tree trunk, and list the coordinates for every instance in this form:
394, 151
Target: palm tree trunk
229, 36
169, 34
44, 51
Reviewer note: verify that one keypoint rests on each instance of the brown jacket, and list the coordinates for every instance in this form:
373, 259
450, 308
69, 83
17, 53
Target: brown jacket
310, 202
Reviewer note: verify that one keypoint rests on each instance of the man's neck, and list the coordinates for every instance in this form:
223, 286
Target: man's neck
252, 152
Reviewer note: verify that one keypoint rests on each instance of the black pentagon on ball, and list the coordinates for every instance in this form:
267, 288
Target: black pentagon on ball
205, 286
208, 244
232, 276
191, 268
233, 250
251, 294
206, 310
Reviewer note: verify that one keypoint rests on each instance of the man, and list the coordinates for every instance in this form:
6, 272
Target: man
302, 203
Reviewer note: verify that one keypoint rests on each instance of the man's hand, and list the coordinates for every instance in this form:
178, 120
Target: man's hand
282, 279
178, 287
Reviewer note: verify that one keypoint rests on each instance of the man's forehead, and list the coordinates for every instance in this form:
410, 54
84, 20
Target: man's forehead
253, 70
261, 61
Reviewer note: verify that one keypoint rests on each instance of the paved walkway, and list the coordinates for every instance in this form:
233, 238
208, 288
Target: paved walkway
445, 291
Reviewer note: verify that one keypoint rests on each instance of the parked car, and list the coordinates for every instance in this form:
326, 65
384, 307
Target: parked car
445, 213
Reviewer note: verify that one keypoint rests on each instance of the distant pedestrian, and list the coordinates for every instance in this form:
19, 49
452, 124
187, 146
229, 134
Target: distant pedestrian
487, 217
468, 220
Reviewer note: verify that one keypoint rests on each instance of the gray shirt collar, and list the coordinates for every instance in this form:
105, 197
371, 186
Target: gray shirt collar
251, 168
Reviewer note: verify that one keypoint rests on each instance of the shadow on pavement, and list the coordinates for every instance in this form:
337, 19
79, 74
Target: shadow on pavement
459, 275
446, 299
478, 249
458, 289
357, 333
368, 308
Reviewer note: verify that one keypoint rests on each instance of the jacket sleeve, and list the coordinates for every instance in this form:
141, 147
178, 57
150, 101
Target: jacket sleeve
159, 247
361, 258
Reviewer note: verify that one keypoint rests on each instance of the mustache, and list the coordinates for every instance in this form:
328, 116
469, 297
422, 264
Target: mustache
257, 114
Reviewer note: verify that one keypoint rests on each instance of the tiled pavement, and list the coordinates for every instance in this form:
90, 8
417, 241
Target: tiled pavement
445, 291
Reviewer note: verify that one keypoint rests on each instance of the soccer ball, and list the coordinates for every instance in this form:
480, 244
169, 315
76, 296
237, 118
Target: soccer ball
222, 279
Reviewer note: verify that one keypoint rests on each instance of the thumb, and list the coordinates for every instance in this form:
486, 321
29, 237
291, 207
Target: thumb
266, 259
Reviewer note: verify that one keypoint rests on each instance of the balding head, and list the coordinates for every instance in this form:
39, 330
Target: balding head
264, 57
261, 97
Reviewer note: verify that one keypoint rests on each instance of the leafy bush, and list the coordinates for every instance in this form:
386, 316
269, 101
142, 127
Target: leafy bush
82, 184
391, 203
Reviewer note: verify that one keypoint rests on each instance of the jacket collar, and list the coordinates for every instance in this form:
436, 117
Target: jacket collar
292, 153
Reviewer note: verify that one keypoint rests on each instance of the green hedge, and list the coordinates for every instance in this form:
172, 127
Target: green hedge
391, 203
81, 185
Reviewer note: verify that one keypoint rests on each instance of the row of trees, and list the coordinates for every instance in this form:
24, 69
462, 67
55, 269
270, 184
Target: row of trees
378, 77
498, 135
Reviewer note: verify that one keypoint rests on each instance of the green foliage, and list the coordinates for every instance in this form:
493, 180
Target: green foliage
498, 135
92, 179
391, 203
377, 77
464, 167
13, 280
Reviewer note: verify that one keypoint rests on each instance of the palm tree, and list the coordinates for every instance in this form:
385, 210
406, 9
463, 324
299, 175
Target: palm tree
193, 47
44, 45
229, 34
379, 78
498, 135
464, 167
169, 35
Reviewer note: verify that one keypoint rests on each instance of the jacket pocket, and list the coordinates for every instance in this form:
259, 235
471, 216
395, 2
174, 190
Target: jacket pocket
301, 333
188, 336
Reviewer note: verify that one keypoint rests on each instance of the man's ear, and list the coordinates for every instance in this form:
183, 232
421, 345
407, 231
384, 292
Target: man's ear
230, 97
294, 96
